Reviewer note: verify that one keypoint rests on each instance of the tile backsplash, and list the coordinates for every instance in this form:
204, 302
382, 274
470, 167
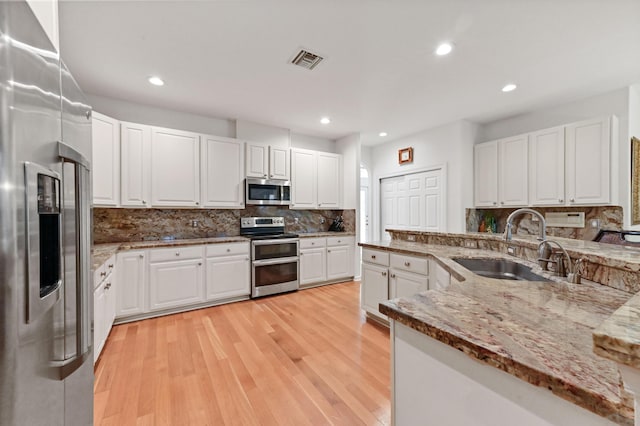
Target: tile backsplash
609, 217
113, 225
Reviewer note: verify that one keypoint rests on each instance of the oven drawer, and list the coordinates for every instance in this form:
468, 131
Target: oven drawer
176, 253
306, 243
375, 256
227, 249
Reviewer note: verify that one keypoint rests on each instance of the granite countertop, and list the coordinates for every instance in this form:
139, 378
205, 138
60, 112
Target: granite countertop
540, 332
618, 338
326, 234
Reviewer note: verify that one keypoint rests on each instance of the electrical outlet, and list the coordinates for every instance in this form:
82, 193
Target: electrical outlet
471, 244
595, 223
411, 237
296, 220
322, 220
194, 223
511, 250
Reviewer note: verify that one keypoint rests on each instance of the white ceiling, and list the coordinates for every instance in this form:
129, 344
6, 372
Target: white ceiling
229, 59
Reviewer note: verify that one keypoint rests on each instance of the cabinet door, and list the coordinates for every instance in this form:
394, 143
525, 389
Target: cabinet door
406, 284
303, 179
132, 283
136, 167
99, 314
279, 163
313, 265
587, 162
339, 262
513, 175
222, 172
329, 180
106, 160
228, 276
257, 161
439, 277
546, 167
485, 174
175, 284
175, 168
374, 288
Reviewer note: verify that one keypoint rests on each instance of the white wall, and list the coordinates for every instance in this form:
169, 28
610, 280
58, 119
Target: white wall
451, 146
612, 103
634, 130
156, 116
312, 142
349, 147
257, 132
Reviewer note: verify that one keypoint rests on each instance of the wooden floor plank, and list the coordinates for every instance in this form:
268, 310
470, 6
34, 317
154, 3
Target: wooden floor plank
308, 357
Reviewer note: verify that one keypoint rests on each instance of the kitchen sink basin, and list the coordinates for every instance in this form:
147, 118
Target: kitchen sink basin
499, 268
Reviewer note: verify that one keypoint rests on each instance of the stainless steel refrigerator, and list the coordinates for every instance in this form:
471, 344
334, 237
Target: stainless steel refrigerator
46, 368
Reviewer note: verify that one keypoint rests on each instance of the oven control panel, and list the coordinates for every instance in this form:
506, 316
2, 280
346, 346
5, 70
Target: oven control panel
250, 222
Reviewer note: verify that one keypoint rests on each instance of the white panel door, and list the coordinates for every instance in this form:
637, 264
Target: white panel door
222, 162
587, 162
105, 134
132, 283
485, 174
303, 179
175, 168
406, 284
374, 288
513, 176
412, 202
546, 167
339, 262
279, 163
329, 180
136, 164
257, 161
175, 284
313, 265
228, 276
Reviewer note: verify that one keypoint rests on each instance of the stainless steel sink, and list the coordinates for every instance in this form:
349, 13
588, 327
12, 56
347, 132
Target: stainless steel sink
499, 268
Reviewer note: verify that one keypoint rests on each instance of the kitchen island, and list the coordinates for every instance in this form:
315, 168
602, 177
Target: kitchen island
500, 351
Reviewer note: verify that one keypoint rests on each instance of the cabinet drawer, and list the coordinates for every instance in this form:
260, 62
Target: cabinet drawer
340, 241
312, 242
375, 256
227, 249
175, 253
105, 269
419, 265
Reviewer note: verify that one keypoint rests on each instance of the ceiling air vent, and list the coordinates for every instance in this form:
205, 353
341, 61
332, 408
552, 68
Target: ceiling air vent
307, 59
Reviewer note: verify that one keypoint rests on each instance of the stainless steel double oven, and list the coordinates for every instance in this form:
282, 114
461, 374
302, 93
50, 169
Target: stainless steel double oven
275, 266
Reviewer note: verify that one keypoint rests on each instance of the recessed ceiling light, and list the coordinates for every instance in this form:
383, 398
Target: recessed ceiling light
325, 120
444, 49
156, 81
382, 134
509, 87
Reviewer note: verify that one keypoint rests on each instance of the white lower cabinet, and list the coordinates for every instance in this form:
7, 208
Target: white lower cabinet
374, 288
228, 271
104, 304
406, 284
176, 282
439, 277
313, 265
327, 259
340, 257
132, 275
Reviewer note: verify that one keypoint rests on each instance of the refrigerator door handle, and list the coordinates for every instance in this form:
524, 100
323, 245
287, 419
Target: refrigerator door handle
82, 194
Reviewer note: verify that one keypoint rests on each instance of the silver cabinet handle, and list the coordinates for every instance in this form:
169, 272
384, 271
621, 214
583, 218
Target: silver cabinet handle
103, 274
407, 264
328, 251
339, 241
142, 256
199, 263
313, 244
373, 256
393, 275
228, 250
144, 202
561, 200
107, 286
501, 202
197, 203
111, 266
384, 274
494, 203
301, 254
177, 253
572, 200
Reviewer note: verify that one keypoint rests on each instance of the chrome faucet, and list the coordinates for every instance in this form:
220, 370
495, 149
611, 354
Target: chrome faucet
560, 269
543, 224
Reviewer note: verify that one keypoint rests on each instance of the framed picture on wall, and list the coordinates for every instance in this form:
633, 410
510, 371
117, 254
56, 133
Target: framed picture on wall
405, 155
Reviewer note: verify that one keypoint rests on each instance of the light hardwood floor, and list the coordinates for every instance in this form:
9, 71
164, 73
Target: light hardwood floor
294, 359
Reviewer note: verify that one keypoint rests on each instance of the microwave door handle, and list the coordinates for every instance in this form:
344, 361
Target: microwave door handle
82, 232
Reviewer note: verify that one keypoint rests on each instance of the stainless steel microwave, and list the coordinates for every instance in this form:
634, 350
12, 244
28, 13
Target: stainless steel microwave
268, 191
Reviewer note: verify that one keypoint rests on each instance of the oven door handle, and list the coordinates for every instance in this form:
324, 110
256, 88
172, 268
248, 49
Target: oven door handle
276, 241
275, 261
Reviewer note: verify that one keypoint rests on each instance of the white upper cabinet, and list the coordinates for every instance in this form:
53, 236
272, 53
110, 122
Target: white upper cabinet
106, 160
316, 179
329, 180
303, 179
485, 174
587, 162
279, 163
135, 164
268, 162
546, 167
222, 177
175, 168
513, 185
